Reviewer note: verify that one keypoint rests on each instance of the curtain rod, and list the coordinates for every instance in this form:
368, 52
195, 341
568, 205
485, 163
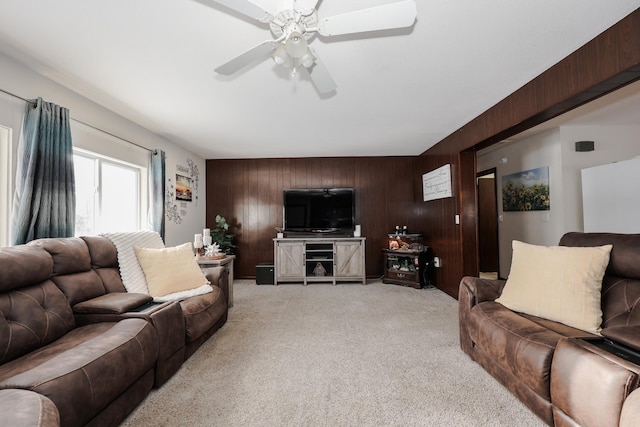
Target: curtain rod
81, 122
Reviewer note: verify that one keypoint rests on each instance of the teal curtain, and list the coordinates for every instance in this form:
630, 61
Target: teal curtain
44, 203
158, 176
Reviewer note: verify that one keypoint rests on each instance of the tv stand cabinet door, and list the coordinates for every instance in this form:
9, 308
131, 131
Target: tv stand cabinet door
289, 257
350, 258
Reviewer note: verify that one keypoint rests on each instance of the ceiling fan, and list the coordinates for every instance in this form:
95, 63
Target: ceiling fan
293, 29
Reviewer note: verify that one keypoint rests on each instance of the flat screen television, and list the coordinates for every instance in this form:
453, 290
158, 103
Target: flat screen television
319, 210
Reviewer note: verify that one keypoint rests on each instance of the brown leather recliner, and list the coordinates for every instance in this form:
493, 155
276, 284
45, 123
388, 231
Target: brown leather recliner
92, 373
97, 294
202, 315
75, 348
554, 369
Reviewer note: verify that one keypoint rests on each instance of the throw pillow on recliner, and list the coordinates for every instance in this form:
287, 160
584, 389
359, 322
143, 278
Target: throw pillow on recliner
170, 271
558, 283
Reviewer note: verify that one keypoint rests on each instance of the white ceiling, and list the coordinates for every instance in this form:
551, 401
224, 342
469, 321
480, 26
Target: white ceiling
398, 93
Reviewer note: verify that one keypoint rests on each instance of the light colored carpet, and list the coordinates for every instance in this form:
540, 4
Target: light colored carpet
345, 355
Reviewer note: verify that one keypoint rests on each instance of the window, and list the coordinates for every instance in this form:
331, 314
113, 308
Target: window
111, 195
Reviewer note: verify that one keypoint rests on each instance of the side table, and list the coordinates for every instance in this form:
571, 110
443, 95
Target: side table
226, 262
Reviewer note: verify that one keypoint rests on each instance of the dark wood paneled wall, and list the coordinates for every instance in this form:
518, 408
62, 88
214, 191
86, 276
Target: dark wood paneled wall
249, 193
606, 63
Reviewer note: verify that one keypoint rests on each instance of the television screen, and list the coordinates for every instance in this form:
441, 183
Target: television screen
319, 210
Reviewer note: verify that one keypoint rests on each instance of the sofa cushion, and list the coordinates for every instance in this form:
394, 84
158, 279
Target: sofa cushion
23, 266
620, 301
557, 283
170, 270
70, 255
623, 261
84, 371
31, 317
104, 259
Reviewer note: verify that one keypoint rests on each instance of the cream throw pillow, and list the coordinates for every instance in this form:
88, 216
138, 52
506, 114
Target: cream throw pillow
558, 283
170, 270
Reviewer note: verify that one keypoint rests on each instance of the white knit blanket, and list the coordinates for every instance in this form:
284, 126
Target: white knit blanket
133, 277
130, 271
179, 296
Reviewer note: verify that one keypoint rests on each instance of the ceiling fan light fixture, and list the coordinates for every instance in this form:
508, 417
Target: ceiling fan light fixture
296, 45
307, 60
281, 57
293, 29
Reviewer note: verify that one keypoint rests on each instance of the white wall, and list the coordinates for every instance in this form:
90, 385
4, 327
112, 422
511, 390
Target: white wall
554, 148
19, 80
612, 144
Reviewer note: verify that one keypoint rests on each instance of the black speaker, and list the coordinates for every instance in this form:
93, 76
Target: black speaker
264, 274
583, 146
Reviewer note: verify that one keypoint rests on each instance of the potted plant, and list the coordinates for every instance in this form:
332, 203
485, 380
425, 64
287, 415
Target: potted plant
220, 235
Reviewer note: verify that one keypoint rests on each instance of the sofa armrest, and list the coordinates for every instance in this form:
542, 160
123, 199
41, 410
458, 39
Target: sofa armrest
471, 292
483, 289
112, 303
219, 276
27, 408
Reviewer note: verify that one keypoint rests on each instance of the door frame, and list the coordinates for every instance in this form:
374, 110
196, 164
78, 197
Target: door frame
479, 175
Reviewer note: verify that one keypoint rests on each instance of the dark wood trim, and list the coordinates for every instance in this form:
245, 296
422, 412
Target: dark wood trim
608, 62
468, 213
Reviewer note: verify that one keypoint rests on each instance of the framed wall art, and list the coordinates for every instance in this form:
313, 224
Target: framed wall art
184, 188
526, 191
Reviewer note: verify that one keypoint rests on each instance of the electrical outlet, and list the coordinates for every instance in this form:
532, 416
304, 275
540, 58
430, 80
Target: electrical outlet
436, 261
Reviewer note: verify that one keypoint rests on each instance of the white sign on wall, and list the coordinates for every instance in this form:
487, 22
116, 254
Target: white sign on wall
437, 183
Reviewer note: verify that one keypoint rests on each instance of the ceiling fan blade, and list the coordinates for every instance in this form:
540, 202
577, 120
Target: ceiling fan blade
247, 8
395, 15
305, 6
320, 76
252, 55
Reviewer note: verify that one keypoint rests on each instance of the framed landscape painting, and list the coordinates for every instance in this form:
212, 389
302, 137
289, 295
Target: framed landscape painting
526, 191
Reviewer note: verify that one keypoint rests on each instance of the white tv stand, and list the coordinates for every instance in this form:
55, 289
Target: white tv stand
319, 260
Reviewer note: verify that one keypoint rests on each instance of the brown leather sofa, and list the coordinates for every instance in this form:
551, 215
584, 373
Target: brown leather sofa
566, 376
75, 347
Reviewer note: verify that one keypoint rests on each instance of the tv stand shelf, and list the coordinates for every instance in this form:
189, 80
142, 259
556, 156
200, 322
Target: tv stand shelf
319, 260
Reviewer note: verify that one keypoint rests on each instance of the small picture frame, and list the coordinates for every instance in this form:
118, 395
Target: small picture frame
184, 188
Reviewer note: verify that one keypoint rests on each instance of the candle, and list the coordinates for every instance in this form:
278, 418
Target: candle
206, 232
197, 243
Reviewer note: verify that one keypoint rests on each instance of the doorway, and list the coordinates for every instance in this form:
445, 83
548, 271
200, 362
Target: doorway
488, 249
